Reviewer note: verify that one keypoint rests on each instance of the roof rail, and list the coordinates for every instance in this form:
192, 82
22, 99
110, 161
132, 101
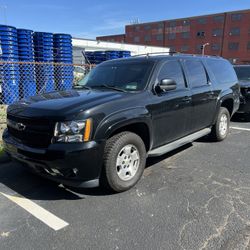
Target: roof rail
174, 53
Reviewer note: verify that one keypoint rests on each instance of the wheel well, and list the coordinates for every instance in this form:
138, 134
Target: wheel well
228, 104
141, 129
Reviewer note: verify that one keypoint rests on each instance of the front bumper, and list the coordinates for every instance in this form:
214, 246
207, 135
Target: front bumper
73, 164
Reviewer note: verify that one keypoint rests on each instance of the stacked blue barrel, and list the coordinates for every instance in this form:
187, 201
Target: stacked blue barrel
100, 56
27, 67
90, 57
9, 69
64, 61
110, 55
124, 54
43, 45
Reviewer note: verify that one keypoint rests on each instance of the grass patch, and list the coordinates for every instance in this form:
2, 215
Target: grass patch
1, 151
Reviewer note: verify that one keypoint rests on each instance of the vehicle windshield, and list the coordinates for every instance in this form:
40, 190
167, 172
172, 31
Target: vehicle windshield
243, 73
126, 76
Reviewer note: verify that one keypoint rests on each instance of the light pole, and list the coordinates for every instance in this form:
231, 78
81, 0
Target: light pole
203, 48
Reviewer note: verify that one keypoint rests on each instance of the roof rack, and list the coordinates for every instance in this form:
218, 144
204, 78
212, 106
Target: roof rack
174, 53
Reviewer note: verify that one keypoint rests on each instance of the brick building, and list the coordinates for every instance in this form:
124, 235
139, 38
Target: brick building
228, 35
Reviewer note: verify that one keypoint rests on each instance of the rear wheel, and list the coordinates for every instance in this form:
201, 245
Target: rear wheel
221, 128
124, 161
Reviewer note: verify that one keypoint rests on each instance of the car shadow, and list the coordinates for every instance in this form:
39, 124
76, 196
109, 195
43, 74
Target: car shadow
19, 180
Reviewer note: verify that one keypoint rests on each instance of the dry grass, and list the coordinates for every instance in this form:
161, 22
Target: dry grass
3, 109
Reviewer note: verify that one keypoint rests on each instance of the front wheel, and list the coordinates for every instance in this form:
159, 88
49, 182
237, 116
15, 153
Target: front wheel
221, 128
124, 161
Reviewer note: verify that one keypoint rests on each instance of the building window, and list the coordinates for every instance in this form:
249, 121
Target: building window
233, 46
184, 48
216, 46
147, 38
200, 34
248, 45
160, 25
137, 27
159, 37
236, 17
172, 24
218, 19
186, 22
202, 20
234, 32
217, 32
171, 36
136, 39
185, 35
249, 31
147, 27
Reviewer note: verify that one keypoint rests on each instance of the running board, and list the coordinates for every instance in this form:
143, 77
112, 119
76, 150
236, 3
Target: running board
176, 144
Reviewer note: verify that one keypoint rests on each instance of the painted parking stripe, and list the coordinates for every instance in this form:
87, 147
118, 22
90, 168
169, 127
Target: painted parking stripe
40, 213
239, 128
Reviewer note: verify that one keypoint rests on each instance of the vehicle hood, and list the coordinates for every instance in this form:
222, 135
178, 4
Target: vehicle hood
244, 83
61, 103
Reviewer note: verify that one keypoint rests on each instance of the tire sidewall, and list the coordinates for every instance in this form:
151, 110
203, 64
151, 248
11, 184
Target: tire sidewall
223, 111
111, 173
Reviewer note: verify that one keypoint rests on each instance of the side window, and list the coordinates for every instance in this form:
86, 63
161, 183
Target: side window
172, 70
222, 70
196, 73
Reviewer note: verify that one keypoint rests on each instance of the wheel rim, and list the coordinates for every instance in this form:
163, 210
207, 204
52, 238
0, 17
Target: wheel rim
223, 126
127, 163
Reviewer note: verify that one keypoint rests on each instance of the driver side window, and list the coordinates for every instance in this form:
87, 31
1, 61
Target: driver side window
172, 69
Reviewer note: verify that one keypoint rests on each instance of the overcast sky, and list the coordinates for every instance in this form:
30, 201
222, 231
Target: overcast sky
91, 18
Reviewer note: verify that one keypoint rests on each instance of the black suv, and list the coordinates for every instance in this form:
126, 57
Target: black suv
243, 73
121, 113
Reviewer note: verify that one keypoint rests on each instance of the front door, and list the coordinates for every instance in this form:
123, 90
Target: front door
170, 110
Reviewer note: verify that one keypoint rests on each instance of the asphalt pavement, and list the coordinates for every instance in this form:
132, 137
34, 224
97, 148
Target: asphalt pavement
197, 197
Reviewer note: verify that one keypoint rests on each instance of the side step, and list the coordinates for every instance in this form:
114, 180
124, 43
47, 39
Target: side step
176, 144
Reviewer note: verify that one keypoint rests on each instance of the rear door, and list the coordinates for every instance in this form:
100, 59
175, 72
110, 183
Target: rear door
171, 109
203, 96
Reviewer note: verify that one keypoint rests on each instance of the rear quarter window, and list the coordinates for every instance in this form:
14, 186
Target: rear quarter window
222, 70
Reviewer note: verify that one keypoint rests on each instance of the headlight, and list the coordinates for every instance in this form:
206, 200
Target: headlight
73, 131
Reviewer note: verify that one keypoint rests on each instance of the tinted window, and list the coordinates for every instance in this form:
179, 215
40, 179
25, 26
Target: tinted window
172, 70
233, 46
147, 38
130, 76
243, 73
185, 35
236, 17
217, 32
159, 37
216, 46
218, 19
202, 20
234, 32
222, 70
196, 73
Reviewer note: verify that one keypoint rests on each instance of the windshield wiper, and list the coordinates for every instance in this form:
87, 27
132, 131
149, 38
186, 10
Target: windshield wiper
109, 87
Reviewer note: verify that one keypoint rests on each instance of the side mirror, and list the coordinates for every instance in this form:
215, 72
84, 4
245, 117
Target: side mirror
167, 84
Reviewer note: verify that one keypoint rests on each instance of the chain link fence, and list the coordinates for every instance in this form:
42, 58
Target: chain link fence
20, 80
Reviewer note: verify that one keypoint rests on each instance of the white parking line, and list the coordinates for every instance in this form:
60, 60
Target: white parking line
239, 128
40, 213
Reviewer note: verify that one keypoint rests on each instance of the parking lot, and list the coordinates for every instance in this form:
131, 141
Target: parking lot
194, 198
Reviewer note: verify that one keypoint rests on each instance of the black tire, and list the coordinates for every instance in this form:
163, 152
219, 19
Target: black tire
113, 148
217, 133
247, 117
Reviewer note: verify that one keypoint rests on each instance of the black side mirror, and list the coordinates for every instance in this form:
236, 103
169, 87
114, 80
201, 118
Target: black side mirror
167, 84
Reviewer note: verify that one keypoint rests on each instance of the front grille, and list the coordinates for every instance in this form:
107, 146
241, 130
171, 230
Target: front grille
37, 133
